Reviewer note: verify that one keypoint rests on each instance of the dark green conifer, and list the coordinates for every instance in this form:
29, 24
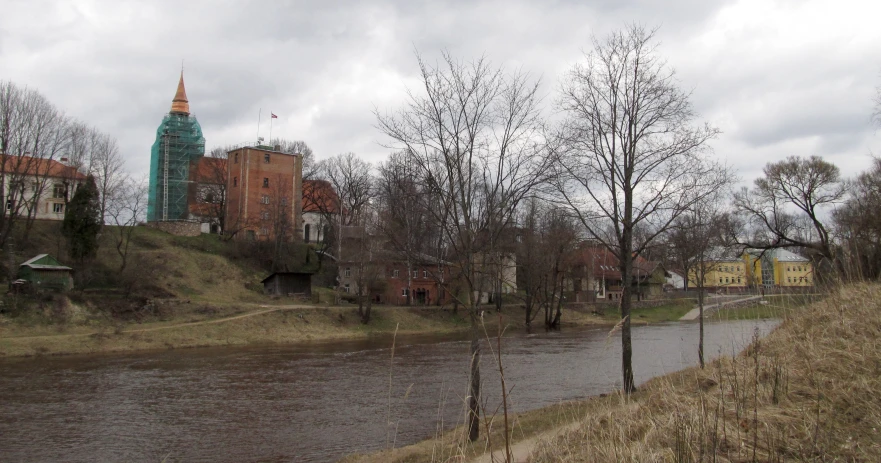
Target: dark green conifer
82, 221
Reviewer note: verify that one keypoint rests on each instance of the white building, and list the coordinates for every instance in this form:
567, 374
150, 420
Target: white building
38, 187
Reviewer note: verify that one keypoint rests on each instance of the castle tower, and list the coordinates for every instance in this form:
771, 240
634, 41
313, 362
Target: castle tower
179, 140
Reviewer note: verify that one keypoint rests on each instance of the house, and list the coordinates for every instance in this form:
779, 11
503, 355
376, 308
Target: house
36, 187
285, 283
45, 272
596, 275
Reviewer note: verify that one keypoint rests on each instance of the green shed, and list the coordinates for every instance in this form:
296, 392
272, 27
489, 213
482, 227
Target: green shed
45, 272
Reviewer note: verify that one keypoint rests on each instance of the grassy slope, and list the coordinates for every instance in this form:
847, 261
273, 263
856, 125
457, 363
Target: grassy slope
807, 392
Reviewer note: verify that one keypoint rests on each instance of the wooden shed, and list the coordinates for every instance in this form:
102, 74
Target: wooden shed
45, 272
284, 283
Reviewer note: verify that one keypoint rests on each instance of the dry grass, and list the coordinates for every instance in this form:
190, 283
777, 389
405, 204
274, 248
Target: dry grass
808, 392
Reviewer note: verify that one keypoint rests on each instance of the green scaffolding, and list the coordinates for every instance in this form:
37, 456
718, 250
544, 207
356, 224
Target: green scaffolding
179, 140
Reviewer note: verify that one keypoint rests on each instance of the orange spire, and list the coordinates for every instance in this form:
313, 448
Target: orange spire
180, 104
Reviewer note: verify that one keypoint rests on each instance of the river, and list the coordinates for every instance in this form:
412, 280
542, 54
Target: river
314, 402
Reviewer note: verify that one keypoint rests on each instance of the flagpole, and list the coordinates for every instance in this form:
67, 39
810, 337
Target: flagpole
270, 127
259, 113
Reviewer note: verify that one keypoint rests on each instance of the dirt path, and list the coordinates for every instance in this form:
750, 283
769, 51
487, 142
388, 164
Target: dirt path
169, 327
522, 449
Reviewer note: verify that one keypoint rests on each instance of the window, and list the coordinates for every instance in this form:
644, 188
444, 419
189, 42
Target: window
264, 215
58, 190
58, 208
396, 273
235, 181
403, 291
284, 201
348, 272
266, 158
424, 273
720, 280
264, 199
209, 197
789, 279
250, 235
264, 231
346, 288
265, 182
9, 204
236, 158
726, 279
738, 279
306, 233
415, 273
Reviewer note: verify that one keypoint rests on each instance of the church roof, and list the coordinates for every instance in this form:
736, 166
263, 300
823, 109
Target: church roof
180, 104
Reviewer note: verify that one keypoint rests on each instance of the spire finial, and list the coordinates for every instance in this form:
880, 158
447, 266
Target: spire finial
180, 104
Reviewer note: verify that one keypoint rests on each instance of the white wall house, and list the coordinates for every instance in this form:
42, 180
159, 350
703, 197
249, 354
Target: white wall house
39, 187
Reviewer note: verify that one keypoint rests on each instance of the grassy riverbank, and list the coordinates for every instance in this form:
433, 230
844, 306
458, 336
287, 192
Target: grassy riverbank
807, 392
202, 325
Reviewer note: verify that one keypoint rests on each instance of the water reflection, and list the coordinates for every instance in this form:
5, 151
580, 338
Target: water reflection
313, 402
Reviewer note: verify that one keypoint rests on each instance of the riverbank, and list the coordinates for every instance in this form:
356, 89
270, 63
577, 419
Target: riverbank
808, 391
203, 325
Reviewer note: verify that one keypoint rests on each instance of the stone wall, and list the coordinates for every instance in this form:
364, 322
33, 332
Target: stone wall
178, 228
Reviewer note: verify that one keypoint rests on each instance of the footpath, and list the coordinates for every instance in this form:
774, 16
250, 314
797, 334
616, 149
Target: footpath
709, 308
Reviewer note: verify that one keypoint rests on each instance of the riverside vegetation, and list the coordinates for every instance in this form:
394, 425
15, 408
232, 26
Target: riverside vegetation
191, 292
806, 392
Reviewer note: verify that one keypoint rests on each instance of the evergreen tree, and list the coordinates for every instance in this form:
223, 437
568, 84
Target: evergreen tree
82, 221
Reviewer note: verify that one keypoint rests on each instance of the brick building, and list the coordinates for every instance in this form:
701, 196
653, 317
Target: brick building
264, 193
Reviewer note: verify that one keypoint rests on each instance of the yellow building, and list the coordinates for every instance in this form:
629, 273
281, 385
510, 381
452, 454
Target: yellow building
775, 268
779, 268
721, 272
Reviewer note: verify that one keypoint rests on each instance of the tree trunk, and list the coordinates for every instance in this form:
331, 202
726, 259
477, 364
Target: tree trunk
365, 318
700, 308
474, 393
626, 294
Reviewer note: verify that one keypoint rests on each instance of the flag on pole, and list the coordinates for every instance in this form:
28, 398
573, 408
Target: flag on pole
274, 116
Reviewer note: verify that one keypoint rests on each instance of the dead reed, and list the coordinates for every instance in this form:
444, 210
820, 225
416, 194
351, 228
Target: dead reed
810, 391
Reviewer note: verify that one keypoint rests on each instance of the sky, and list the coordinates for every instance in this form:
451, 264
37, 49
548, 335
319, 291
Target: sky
778, 78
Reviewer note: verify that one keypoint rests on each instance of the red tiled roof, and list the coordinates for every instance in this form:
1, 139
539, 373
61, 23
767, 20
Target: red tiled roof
209, 170
27, 165
319, 196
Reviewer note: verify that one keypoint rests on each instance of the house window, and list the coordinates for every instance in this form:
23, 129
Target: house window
346, 288
396, 273
266, 158
264, 199
264, 215
9, 204
720, 280
348, 272
209, 197
738, 279
404, 292
58, 208
236, 158
306, 233
235, 181
265, 182
58, 190
264, 231
424, 273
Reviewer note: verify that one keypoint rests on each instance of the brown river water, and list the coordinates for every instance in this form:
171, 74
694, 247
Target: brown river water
316, 402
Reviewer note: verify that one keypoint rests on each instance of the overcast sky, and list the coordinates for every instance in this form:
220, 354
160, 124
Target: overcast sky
778, 78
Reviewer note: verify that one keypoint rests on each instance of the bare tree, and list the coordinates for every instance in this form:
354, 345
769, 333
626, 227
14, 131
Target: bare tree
125, 208
277, 219
310, 167
107, 166
472, 134
402, 214
32, 133
630, 159
858, 224
786, 207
